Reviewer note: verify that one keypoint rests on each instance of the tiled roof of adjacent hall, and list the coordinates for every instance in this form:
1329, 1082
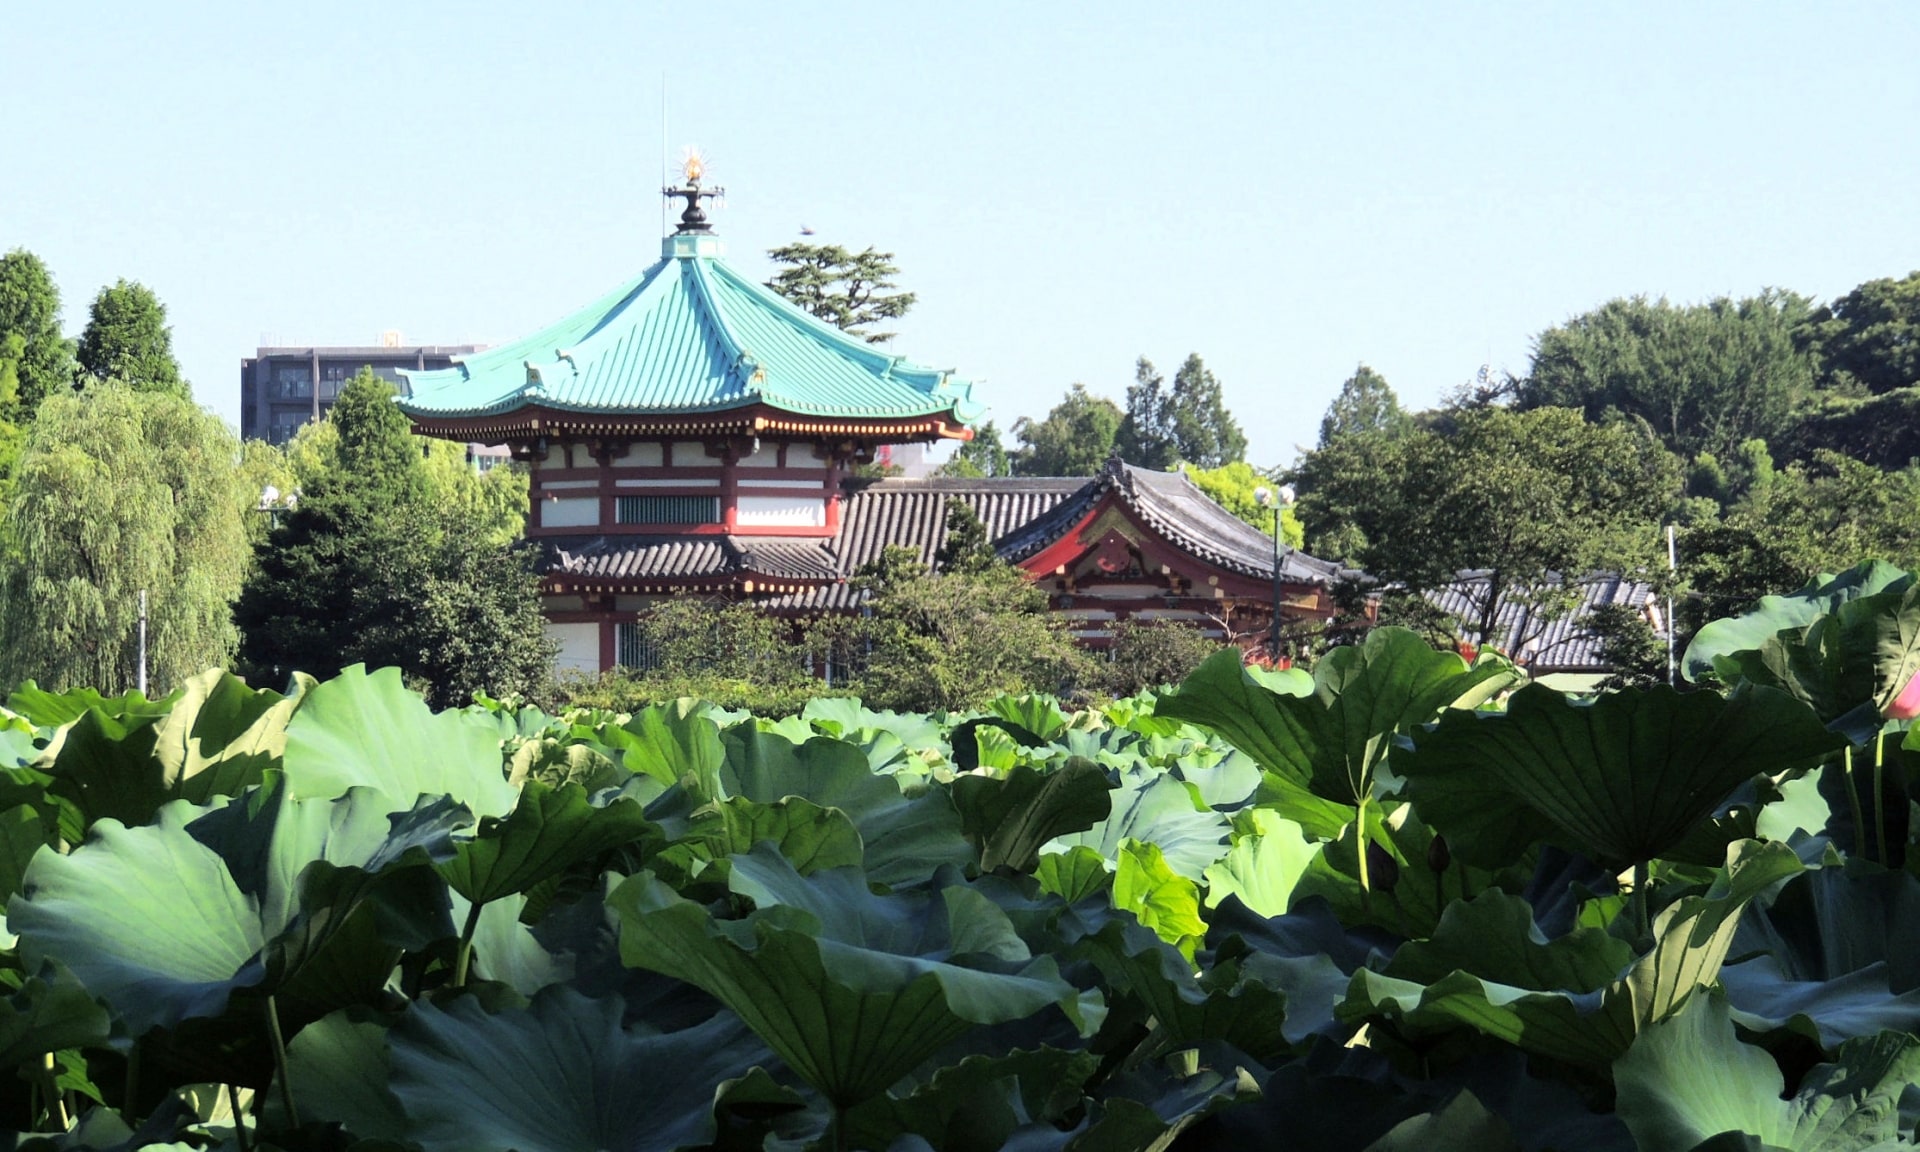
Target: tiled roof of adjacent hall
1552, 641
689, 335
1025, 514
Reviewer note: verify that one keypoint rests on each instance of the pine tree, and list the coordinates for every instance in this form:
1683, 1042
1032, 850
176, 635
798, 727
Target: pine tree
1204, 432
1146, 436
968, 548
846, 289
1366, 403
35, 359
1074, 440
127, 339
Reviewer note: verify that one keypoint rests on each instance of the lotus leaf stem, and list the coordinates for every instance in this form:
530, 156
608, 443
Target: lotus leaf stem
280, 1063
1853, 803
1360, 852
463, 960
49, 1080
239, 1120
1641, 925
1880, 797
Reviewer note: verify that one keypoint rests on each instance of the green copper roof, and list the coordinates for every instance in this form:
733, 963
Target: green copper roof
690, 335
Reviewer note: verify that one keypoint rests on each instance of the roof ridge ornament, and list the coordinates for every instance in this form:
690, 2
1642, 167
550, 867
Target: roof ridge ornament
693, 221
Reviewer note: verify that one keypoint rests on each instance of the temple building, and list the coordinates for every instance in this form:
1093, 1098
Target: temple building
692, 432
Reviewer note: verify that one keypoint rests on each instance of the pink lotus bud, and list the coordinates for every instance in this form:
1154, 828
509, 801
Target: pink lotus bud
1906, 705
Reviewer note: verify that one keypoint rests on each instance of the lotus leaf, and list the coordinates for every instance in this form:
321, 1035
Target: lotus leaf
852, 990
1156, 808
1010, 818
904, 838
1334, 741
363, 729
560, 1075
1620, 779
1592, 1018
1689, 1078
1822, 596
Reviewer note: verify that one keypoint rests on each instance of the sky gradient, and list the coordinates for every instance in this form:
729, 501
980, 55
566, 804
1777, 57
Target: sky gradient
1286, 190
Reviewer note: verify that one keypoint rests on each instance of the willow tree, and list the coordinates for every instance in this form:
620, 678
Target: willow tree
119, 492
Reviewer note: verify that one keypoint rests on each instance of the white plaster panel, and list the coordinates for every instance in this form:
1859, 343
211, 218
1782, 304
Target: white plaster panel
687, 452
579, 646
642, 454
549, 485
671, 482
781, 511
767, 457
804, 485
571, 512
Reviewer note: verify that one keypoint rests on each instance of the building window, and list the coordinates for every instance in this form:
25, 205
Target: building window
666, 510
631, 650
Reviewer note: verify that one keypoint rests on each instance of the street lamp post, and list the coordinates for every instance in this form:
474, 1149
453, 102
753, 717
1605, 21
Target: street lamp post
1267, 497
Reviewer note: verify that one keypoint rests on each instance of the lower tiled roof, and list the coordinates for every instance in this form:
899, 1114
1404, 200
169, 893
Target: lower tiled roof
1563, 643
1022, 515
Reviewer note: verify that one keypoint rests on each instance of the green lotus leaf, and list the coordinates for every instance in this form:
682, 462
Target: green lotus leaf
221, 736
1830, 1012
1156, 808
1148, 1108
670, 743
548, 831
809, 836
1225, 1004
1334, 742
1010, 817
904, 838
149, 919
1040, 715
851, 989
47, 1012
1165, 903
217, 738
1822, 596
560, 1075
505, 950
55, 709
1263, 866
978, 1104
1073, 875
340, 1069
364, 729
1620, 779
1689, 1078
167, 921
1556, 998
1463, 1124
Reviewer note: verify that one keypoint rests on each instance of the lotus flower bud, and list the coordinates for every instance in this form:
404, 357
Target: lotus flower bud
1383, 868
1439, 856
1906, 705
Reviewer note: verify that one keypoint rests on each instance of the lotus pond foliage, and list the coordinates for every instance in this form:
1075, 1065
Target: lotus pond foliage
1402, 901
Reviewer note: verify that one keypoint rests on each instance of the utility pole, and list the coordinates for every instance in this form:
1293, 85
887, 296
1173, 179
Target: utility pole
1673, 567
142, 685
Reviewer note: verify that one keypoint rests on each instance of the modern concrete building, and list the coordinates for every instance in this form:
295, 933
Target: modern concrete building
283, 388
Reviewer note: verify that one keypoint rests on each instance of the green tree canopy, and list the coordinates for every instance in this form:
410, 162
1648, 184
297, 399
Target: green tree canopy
121, 491
1204, 432
1074, 440
35, 359
968, 547
127, 339
1870, 338
846, 289
390, 560
1236, 488
1146, 436
951, 640
984, 455
1366, 403
1704, 377
1521, 496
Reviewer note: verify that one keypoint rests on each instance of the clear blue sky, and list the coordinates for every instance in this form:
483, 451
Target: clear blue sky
1287, 190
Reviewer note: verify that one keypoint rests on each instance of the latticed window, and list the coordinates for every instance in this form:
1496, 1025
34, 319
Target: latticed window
631, 649
666, 510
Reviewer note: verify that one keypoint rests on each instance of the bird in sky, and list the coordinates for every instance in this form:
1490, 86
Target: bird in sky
805, 231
